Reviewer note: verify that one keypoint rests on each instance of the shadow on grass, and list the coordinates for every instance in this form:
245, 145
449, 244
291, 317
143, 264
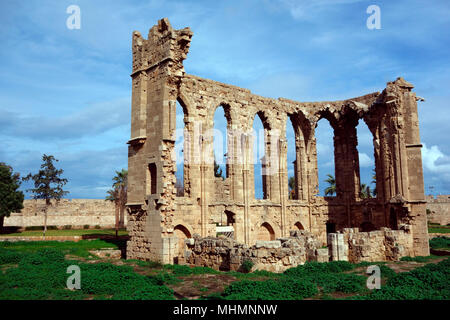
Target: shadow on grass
120, 241
9, 230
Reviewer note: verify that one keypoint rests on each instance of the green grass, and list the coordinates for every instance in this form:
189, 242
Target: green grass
80, 248
41, 275
67, 232
437, 228
441, 229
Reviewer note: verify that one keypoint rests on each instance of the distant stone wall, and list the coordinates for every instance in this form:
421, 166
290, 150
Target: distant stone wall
74, 212
276, 256
439, 209
380, 245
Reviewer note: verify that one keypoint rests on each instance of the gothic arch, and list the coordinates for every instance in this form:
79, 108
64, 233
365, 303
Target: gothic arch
267, 124
299, 226
265, 232
182, 233
227, 108
185, 103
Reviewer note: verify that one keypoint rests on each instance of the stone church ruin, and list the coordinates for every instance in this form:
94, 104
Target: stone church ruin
219, 223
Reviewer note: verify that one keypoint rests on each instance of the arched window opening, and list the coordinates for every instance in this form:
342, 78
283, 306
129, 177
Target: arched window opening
325, 158
179, 150
292, 165
220, 143
366, 161
259, 159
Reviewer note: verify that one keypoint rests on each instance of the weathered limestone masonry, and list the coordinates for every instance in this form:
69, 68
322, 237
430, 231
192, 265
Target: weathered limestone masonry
439, 209
74, 212
159, 221
276, 256
380, 245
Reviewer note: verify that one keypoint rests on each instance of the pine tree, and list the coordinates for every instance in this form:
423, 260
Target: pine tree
48, 184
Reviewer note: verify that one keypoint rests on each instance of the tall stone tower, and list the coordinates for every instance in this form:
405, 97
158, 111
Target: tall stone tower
157, 68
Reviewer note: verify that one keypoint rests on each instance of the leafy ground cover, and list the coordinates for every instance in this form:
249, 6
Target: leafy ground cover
37, 270
440, 243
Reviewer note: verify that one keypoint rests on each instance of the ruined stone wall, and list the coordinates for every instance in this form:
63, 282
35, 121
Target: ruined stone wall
74, 212
439, 209
160, 221
275, 256
379, 245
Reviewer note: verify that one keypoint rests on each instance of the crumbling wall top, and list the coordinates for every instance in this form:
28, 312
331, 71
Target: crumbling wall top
164, 44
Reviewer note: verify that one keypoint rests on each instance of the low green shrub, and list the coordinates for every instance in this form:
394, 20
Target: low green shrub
386, 272
440, 243
310, 268
10, 256
247, 266
431, 281
44, 256
42, 275
282, 289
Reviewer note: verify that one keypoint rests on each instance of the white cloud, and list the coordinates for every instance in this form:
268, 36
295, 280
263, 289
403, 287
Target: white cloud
434, 160
91, 120
305, 9
365, 160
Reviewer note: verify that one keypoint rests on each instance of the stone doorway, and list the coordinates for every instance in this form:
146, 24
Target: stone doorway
182, 233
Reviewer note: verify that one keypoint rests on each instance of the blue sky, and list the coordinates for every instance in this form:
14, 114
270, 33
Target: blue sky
67, 92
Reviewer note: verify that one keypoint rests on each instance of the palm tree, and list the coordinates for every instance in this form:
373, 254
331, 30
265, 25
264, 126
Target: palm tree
113, 196
121, 184
331, 189
365, 191
118, 194
374, 181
